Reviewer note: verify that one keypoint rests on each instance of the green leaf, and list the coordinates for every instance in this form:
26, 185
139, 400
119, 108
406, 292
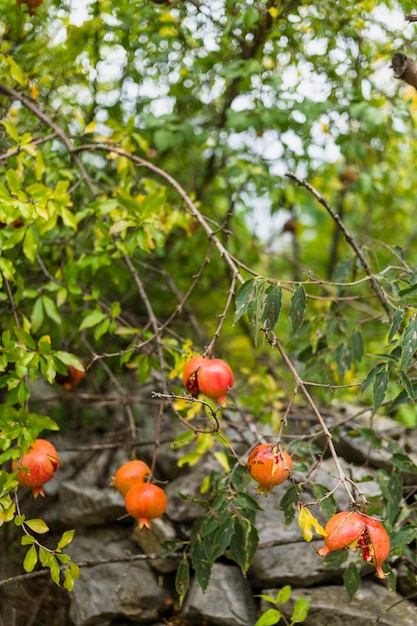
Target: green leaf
244, 297
55, 570
182, 579
357, 345
92, 319
30, 560
30, 245
13, 181
25, 338
269, 618
27, 540
351, 580
202, 566
300, 611
66, 538
37, 316
394, 498
409, 344
37, 525
408, 386
397, 319
244, 543
288, 504
283, 595
68, 218
403, 462
7, 268
379, 388
343, 356
51, 309
272, 306
68, 583
297, 308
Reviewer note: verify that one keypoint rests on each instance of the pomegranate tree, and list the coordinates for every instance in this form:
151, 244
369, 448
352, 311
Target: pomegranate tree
350, 530
211, 377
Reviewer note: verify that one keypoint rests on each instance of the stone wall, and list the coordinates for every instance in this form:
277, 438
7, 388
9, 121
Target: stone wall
122, 580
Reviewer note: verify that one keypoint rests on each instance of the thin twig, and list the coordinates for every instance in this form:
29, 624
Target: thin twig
350, 240
275, 343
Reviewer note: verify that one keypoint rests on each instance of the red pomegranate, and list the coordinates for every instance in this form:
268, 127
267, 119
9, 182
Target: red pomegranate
211, 377
37, 466
350, 530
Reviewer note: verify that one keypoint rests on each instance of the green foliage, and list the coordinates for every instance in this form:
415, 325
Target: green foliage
226, 528
273, 615
137, 178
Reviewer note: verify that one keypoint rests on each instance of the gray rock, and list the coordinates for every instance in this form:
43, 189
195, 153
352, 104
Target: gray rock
372, 604
88, 506
110, 591
186, 511
227, 601
150, 542
283, 556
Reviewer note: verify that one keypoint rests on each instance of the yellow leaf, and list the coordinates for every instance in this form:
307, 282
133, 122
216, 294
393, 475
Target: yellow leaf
221, 458
273, 12
307, 522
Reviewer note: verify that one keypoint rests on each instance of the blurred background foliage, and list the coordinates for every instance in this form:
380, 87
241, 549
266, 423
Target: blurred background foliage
225, 97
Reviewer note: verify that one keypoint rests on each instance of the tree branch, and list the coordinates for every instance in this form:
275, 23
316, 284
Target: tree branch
405, 68
350, 240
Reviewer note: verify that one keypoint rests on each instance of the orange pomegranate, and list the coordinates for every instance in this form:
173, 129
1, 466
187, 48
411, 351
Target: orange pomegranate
211, 377
269, 466
145, 501
37, 466
350, 530
130, 474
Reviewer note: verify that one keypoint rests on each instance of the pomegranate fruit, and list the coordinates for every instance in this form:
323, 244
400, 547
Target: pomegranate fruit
349, 530
211, 377
129, 474
37, 466
145, 501
269, 466
70, 380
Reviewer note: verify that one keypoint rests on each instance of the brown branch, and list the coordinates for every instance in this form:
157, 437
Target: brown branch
300, 384
350, 240
122, 559
405, 68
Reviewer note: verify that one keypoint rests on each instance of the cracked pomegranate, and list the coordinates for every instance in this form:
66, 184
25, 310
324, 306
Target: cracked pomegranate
211, 377
37, 466
350, 530
269, 466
